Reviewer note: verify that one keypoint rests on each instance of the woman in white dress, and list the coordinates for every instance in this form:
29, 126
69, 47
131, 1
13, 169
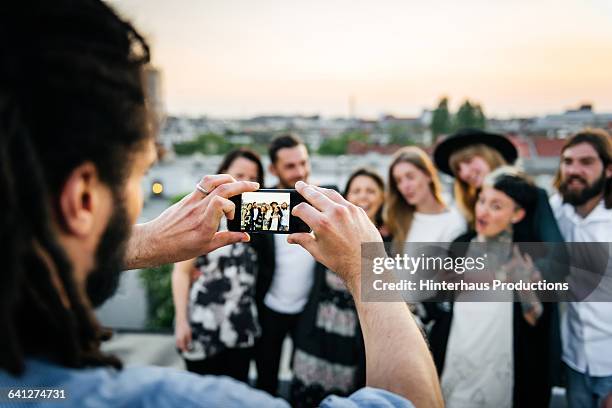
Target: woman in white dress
275, 218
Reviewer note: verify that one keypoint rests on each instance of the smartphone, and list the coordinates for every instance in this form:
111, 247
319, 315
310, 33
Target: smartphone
267, 211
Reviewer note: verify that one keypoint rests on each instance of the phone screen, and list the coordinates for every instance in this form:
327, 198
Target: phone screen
267, 211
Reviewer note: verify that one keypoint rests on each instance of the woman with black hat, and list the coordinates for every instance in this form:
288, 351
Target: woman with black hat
469, 155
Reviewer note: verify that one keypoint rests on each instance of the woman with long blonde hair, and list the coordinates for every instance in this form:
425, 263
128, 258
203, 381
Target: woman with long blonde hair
415, 210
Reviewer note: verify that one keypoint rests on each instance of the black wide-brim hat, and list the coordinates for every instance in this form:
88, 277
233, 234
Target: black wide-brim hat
469, 137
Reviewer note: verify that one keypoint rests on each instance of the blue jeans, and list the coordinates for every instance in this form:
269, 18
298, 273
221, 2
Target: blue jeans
586, 391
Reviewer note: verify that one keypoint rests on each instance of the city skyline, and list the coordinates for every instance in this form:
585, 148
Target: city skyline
240, 59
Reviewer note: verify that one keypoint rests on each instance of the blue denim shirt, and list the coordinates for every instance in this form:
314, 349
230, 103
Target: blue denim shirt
145, 386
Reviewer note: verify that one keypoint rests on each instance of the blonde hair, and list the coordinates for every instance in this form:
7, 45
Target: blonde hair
466, 195
398, 213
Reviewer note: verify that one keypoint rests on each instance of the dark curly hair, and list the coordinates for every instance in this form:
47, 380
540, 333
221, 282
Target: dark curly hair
71, 91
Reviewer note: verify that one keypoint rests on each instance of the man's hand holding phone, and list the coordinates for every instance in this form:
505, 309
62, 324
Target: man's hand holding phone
397, 357
338, 229
189, 228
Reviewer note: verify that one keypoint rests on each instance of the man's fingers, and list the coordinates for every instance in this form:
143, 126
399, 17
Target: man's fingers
309, 215
332, 195
223, 238
227, 190
306, 240
528, 260
210, 182
182, 342
217, 208
227, 206
517, 251
316, 198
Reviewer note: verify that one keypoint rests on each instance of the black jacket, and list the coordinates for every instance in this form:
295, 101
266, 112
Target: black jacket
266, 262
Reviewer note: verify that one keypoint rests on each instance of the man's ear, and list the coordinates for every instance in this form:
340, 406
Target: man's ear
272, 169
609, 171
78, 200
519, 214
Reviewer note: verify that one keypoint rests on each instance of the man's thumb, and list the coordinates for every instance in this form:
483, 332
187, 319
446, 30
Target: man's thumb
223, 238
306, 240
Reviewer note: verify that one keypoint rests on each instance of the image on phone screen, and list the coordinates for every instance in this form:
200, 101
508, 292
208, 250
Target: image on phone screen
267, 211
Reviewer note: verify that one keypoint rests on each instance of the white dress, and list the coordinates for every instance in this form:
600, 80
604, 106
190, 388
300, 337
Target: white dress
274, 224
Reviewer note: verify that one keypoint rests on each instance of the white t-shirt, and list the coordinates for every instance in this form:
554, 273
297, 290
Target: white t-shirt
442, 227
587, 326
293, 277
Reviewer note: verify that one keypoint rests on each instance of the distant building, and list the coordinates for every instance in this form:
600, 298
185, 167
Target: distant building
572, 121
153, 89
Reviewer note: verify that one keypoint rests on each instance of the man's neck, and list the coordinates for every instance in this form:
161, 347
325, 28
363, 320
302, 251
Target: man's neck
585, 209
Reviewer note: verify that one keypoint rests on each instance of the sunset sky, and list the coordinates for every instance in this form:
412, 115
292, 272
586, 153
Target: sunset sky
235, 58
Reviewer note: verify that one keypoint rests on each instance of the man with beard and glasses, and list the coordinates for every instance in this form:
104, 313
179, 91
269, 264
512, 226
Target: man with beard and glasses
583, 209
75, 143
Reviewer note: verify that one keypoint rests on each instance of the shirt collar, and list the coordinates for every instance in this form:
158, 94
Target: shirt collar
598, 214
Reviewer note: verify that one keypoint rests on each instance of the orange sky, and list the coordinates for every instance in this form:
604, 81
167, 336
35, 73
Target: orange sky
517, 57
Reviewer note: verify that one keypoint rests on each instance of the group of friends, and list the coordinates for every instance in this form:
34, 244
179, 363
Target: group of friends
76, 139
486, 354
265, 217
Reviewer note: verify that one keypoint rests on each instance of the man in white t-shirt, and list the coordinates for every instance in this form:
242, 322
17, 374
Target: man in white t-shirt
286, 272
583, 209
